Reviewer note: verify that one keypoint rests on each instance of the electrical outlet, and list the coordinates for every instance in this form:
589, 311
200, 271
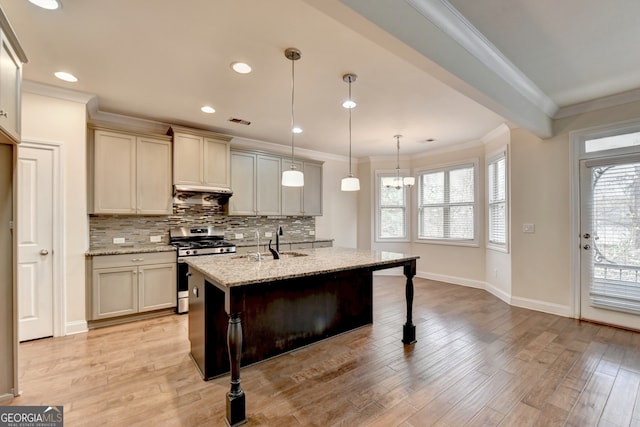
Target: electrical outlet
312, 233
268, 234
155, 239
118, 240
528, 228
239, 235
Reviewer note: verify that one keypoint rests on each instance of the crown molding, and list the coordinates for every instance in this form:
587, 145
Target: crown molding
493, 134
38, 88
446, 17
598, 104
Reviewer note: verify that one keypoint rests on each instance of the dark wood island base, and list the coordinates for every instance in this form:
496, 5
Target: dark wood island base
254, 321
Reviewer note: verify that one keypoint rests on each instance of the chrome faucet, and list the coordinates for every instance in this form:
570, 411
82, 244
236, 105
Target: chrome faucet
276, 252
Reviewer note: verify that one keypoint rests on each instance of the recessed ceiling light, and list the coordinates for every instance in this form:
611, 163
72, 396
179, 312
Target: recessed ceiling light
241, 67
47, 4
349, 103
296, 130
67, 77
208, 109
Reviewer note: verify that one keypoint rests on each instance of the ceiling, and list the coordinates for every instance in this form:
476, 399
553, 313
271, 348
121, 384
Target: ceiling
452, 70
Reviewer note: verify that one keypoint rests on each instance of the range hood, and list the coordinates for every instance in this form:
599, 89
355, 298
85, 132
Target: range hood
200, 194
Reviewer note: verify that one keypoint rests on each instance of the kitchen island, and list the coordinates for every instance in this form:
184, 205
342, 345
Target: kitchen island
250, 309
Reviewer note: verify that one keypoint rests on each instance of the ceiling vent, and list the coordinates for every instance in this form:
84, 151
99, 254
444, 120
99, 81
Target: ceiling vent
239, 121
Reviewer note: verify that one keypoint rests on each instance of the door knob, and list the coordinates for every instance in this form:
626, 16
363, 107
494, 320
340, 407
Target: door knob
587, 235
587, 247
44, 252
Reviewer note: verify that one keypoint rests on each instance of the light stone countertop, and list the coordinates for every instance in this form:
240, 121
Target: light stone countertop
129, 249
237, 270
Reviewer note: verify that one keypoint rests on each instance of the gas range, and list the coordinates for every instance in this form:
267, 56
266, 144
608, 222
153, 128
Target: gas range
195, 241
201, 240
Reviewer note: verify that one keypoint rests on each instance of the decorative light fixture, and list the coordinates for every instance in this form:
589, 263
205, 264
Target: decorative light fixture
399, 181
350, 182
292, 177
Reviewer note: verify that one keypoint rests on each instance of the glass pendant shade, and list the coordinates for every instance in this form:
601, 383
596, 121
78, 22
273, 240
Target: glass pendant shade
292, 178
409, 180
350, 183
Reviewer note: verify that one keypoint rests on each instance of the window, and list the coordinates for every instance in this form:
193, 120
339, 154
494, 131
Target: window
447, 204
392, 213
497, 199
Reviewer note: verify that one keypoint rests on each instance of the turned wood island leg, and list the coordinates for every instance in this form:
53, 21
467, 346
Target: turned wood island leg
409, 329
236, 408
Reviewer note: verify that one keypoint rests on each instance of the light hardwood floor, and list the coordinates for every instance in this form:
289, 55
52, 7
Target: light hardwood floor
477, 361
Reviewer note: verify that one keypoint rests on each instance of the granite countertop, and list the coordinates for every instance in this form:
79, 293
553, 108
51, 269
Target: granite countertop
129, 249
265, 241
237, 270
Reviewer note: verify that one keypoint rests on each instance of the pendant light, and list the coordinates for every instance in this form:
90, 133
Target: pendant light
292, 177
407, 180
350, 182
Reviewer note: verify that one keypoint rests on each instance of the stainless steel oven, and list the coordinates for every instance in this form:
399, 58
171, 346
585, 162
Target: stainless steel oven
195, 241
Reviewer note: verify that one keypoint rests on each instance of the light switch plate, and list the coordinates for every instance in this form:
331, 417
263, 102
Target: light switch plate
239, 235
268, 234
155, 239
528, 228
118, 240
312, 233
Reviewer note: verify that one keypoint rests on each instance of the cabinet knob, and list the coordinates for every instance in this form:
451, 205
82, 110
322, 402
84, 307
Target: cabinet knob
3, 114
44, 252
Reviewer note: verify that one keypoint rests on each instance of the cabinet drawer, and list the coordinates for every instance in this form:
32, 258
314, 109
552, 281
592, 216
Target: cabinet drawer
322, 244
107, 261
295, 246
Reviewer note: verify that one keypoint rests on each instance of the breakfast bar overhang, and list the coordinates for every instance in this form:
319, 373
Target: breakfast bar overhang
249, 308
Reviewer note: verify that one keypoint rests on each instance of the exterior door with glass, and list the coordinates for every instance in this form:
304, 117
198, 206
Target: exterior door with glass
610, 240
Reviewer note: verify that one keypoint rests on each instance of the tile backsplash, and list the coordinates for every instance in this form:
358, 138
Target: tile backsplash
138, 229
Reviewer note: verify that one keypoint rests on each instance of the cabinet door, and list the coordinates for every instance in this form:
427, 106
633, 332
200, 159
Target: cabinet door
268, 185
154, 176
10, 76
114, 173
115, 291
157, 286
216, 163
312, 192
292, 196
243, 184
187, 159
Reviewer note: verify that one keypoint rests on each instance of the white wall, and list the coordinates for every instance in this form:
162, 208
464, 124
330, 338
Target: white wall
61, 121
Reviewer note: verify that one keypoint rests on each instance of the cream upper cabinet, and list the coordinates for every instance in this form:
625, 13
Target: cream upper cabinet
257, 189
11, 59
200, 158
292, 196
243, 184
131, 174
312, 191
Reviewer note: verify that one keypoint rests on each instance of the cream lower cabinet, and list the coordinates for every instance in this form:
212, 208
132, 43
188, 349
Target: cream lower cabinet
131, 174
128, 284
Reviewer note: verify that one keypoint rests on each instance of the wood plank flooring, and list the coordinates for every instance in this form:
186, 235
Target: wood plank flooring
477, 361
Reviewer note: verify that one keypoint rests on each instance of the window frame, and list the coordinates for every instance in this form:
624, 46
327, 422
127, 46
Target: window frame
378, 208
493, 158
475, 242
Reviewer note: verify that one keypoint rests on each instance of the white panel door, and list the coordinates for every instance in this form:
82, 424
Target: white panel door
35, 241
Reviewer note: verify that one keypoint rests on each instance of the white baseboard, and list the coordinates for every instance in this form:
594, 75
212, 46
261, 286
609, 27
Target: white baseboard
6, 397
543, 306
77, 327
531, 304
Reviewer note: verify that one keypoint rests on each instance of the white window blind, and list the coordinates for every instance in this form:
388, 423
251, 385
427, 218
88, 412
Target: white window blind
446, 204
497, 183
391, 209
615, 215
